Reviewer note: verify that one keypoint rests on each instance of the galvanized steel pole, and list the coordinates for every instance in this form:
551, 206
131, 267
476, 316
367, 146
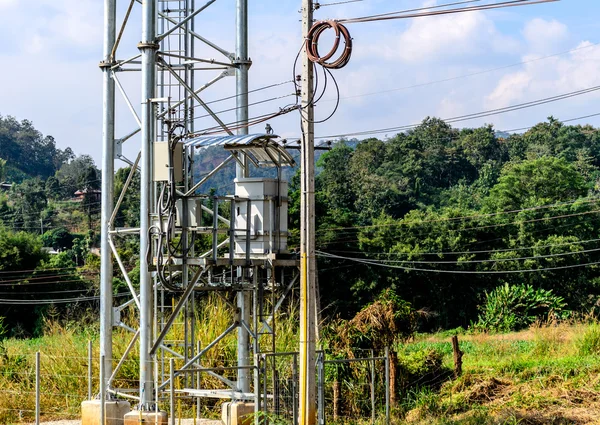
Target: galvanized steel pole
148, 48
241, 75
307, 235
37, 388
108, 172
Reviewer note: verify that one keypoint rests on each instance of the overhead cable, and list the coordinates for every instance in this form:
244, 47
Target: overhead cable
328, 255
486, 251
487, 260
476, 115
404, 15
470, 217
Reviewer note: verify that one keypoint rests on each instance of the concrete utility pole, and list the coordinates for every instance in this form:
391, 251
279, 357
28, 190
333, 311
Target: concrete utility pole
307, 236
108, 172
241, 79
148, 48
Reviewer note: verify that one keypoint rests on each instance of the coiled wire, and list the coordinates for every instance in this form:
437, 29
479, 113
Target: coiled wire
312, 44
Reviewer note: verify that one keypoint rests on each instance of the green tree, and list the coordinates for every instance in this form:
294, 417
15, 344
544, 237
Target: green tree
536, 182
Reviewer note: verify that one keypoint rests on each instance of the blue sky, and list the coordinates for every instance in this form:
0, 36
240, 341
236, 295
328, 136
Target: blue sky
51, 49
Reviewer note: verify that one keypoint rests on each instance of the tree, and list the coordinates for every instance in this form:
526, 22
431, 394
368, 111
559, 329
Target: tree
536, 182
29, 200
79, 174
27, 151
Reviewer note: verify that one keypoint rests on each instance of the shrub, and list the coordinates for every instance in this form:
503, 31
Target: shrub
418, 369
589, 342
510, 308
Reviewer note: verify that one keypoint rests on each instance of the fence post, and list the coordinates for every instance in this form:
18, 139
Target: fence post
387, 385
172, 393
295, 388
102, 392
37, 388
198, 384
457, 357
265, 395
372, 387
320, 387
90, 370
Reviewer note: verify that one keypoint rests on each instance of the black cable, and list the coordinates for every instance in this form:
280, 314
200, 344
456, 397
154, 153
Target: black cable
476, 115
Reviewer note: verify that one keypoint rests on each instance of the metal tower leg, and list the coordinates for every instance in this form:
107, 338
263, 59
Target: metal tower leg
148, 48
243, 297
108, 167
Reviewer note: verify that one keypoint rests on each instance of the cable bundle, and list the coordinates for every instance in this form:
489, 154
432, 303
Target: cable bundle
312, 44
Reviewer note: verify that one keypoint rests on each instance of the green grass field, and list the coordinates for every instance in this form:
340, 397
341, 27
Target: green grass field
548, 374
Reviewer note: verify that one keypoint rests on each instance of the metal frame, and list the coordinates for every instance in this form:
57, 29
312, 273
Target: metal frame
170, 91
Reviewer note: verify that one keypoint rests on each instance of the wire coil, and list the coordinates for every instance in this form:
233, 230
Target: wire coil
312, 45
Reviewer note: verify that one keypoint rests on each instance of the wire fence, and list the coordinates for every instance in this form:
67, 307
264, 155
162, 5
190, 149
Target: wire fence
41, 387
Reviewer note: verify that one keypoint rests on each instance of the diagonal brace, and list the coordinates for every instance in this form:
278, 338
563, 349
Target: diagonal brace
186, 294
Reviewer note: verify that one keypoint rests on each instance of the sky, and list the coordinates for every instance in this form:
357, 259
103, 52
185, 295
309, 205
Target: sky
401, 71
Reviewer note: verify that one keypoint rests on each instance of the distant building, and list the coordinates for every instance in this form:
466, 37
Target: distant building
5, 187
94, 194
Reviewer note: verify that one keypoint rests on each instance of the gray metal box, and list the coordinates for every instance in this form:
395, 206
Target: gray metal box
161, 162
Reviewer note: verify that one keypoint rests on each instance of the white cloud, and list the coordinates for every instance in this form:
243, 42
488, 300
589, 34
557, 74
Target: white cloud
545, 36
5, 4
432, 39
578, 70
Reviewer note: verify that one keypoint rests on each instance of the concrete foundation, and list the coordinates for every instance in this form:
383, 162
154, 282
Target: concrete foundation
136, 417
115, 412
237, 413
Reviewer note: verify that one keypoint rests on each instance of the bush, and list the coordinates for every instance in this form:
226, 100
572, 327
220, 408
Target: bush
589, 342
418, 369
511, 308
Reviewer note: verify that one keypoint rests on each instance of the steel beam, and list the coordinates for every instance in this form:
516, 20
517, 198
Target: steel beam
148, 48
108, 173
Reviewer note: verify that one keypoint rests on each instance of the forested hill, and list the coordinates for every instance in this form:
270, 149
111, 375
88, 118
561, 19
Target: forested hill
27, 152
442, 215
439, 215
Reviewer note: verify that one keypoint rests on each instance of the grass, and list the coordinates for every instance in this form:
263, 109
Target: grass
64, 361
547, 374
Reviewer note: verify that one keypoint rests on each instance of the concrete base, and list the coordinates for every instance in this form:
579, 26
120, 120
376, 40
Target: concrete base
237, 413
115, 411
136, 417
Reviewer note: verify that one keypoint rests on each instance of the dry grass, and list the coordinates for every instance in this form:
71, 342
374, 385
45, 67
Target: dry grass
546, 374
64, 361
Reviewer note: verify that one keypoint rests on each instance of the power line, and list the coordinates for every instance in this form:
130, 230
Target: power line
471, 217
488, 260
404, 15
475, 115
55, 301
486, 251
328, 255
466, 75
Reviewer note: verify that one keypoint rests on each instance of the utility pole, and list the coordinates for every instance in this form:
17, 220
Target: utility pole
108, 168
307, 235
241, 79
148, 48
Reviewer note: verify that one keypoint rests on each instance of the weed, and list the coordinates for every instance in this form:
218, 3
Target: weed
589, 342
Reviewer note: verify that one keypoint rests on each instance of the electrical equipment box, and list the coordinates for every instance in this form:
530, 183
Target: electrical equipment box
193, 211
161, 162
264, 203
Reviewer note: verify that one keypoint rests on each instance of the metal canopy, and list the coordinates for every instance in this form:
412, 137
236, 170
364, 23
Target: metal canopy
263, 149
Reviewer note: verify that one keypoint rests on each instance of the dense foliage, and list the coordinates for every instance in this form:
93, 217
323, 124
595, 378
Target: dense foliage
515, 307
442, 216
437, 216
